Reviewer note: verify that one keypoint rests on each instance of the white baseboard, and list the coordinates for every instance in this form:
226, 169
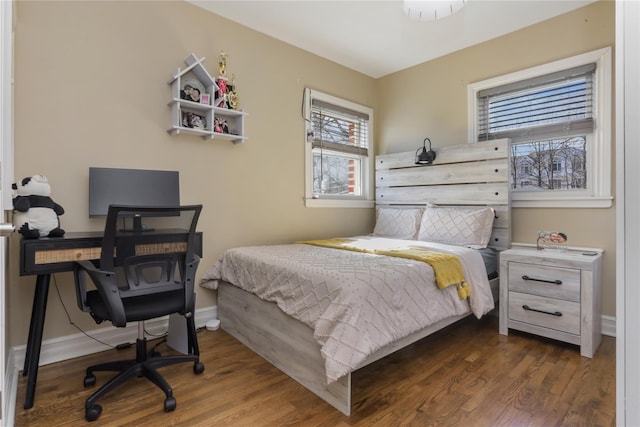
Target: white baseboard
609, 326
11, 390
72, 346
76, 345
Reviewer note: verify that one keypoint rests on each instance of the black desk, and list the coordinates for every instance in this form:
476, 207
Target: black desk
45, 256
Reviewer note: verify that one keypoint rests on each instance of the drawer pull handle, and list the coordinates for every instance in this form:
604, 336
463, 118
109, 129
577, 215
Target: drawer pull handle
556, 313
555, 282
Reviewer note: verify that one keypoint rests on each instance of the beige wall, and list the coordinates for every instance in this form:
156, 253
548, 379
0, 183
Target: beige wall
430, 100
91, 90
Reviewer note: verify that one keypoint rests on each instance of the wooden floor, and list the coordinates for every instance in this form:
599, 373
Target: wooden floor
466, 375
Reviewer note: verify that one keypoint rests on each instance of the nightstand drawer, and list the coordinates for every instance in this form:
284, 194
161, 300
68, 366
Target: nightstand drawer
546, 312
545, 281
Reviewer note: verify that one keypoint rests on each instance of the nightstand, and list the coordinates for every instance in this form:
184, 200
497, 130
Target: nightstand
553, 294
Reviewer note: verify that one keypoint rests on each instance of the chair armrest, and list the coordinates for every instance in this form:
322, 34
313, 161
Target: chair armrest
80, 269
190, 277
106, 284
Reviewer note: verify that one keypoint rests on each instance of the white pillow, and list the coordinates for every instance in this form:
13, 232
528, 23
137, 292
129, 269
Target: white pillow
397, 223
457, 226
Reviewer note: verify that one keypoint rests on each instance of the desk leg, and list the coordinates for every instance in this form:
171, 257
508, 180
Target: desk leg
27, 356
32, 358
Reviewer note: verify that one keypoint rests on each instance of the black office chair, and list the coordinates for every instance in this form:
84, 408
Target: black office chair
143, 273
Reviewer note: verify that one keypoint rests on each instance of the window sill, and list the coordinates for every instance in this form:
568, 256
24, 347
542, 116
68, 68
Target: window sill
335, 203
576, 202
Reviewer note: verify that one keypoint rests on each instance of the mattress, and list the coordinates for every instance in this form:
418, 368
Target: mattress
355, 302
490, 259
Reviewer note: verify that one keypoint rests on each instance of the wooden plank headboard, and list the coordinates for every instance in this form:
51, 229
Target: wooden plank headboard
462, 175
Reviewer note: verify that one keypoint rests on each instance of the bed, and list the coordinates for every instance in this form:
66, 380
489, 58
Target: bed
318, 312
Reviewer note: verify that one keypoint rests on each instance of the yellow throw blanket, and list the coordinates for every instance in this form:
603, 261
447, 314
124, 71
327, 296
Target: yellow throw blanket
447, 267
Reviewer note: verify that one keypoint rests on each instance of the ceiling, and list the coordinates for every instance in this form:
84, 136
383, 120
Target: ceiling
375, 37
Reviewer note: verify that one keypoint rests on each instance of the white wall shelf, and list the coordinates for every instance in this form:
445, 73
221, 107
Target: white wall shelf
204, 115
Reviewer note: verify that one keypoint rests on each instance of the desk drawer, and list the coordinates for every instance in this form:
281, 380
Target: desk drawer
539, 311
54, 255
545, 281
67, 255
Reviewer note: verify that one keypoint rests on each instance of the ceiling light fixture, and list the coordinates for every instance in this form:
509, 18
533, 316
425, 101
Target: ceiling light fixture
430, 10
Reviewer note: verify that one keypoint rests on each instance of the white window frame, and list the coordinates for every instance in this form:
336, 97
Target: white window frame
598, 193
365, 200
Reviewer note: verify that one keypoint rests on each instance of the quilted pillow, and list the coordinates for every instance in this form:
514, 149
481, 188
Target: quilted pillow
457, 226
397, 223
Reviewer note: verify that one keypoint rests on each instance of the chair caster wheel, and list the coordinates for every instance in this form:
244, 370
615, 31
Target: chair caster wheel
155, 354
93, 412
169, 404
89, 380
198, 368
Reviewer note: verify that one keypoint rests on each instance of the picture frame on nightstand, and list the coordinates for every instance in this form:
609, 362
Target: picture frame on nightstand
554, 240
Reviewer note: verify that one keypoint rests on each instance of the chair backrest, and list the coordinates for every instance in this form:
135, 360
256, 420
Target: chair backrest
145, 250
174, 219
136, 248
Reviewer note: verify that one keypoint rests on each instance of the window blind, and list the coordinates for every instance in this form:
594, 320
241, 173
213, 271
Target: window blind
339, 129
556, 103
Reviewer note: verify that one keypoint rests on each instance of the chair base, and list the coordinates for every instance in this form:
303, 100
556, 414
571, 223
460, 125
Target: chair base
145, 365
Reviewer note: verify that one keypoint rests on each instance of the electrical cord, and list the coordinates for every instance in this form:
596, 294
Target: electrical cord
160, 335
71, 322
303, 104
156, 345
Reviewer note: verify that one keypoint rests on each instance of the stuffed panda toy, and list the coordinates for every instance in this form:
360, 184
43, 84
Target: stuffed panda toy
35, 213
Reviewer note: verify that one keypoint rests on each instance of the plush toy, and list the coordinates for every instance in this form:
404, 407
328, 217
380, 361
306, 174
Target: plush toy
35, 213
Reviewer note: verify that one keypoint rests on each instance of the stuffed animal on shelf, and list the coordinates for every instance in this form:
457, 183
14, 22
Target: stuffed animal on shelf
35, 214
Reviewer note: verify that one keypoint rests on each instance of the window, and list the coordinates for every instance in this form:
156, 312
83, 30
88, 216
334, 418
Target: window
558, 118
339, 158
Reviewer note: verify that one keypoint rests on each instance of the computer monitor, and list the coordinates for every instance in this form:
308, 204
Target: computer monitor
135, 187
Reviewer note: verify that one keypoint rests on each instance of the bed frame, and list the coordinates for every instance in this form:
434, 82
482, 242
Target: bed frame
464, 175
